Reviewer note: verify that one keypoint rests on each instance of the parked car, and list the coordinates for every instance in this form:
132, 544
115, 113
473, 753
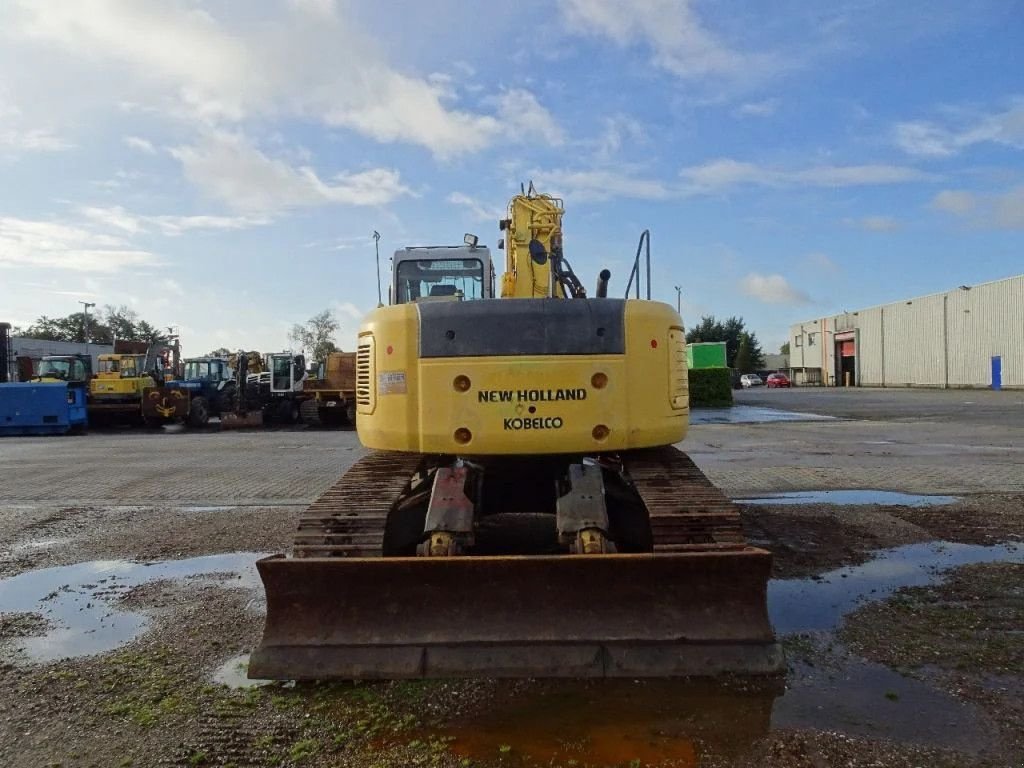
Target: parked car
778, 380
748, 380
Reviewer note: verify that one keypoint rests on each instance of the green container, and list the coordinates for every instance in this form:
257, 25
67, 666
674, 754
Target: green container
705, 354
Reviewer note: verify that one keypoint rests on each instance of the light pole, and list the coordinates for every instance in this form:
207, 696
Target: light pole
679, 299
376, 248
86, 305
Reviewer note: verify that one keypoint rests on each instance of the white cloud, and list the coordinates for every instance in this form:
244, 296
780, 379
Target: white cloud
312, 63
678, 40
765, 108
476, 208
116, 217
178, 225
32, 140
15, 137
523, 116
929, 139
142, 145
721, 174
619, 130
30, 243
1002, 210
600, 184
228, 168
956, 202
772, 289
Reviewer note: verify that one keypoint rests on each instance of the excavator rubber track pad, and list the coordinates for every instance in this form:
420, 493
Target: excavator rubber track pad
629, 615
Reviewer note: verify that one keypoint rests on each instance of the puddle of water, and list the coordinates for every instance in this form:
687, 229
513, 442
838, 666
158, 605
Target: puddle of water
80, 600
750, 414
616, 722
853, 497
232, 673
860, 698
803, 605
685, 722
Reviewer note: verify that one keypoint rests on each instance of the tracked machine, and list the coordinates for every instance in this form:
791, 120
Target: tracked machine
523, 511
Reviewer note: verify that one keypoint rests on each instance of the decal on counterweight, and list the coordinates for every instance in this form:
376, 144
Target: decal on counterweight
518, 423
530, 395
391, 383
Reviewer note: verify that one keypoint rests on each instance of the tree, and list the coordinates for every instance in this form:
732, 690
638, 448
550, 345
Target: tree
104, 327
784, 349
316, 335
220, 352
730, 331
743, 362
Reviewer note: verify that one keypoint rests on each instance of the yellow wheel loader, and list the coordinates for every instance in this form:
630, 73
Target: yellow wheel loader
523, 511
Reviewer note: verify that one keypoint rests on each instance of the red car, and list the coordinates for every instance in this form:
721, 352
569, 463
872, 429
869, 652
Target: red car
778, 380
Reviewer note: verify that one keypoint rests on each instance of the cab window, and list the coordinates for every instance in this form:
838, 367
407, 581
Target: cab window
432, 278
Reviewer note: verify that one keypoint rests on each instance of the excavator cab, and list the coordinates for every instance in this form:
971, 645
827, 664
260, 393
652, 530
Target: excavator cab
73, 369
523, 511
442, 273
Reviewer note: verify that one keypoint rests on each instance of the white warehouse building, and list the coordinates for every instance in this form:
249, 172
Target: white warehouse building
971, 336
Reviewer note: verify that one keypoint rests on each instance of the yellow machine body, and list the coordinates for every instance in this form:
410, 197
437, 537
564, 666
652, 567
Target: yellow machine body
119, 381
525, 512
522, 404
531, 219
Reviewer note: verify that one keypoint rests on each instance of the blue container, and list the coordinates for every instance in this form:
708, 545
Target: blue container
34, 408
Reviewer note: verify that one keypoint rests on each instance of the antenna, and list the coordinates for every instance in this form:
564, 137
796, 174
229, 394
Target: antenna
376, 247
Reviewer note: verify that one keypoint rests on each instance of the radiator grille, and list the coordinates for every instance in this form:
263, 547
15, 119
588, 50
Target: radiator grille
366, 397
678, 385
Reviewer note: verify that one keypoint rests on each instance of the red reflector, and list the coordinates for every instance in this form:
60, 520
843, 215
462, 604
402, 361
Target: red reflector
654, 343
390, 349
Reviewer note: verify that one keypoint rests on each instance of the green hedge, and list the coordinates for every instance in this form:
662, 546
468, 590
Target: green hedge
710, 387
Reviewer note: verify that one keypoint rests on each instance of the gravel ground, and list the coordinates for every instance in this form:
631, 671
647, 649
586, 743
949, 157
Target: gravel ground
964, 634
155, 701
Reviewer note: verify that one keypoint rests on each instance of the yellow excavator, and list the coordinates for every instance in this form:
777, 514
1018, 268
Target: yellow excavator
523, 511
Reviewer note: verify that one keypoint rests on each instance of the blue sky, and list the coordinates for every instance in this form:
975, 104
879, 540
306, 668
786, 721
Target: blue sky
222, 166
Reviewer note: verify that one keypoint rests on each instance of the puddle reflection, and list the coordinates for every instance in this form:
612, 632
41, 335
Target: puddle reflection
80, 600
801, 605
852, 497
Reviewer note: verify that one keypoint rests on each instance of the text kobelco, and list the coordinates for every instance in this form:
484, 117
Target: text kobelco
530, 395
533, 422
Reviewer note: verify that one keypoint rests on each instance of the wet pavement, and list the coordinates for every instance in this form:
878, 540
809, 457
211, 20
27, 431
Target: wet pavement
80, 601
853, 497
749, 414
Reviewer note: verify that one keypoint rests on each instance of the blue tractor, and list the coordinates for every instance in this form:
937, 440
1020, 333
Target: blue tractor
207, 389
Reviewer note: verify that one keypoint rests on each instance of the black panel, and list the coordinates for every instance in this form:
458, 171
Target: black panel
504, 327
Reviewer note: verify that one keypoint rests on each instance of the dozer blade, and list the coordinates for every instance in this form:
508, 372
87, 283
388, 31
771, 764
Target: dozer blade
232, 420
621, 615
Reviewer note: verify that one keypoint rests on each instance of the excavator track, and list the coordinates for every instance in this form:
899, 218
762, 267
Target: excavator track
348, 520
696, 605
686, 512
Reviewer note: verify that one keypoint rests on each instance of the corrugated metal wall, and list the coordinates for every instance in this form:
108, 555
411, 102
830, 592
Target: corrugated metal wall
941, 340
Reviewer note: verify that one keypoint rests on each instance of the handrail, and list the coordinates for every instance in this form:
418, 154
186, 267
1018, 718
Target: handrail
645, 239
